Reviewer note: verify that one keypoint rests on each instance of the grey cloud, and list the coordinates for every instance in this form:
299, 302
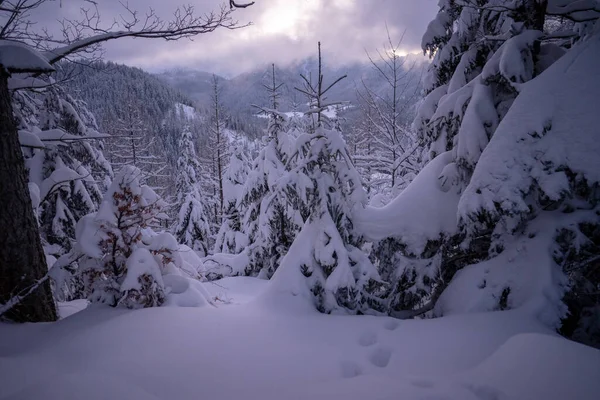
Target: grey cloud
345, 27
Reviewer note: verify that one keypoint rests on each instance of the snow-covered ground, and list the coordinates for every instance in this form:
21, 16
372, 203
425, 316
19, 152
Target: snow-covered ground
248, 348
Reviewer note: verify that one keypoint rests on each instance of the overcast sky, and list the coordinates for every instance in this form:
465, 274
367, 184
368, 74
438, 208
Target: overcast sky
282, 31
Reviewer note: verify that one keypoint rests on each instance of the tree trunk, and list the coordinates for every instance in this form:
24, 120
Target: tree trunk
22, 259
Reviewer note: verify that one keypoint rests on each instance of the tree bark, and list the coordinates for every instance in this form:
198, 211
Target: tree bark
22, 259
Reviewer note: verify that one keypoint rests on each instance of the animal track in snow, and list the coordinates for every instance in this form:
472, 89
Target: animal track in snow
367, 339
380, 357
350, 369
391, 325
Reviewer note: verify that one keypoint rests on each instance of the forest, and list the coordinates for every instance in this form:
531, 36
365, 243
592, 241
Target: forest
415, 226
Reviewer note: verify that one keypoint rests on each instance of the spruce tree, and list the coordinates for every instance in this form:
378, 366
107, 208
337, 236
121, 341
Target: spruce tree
230, 238
326, 253
271, 217
193, 227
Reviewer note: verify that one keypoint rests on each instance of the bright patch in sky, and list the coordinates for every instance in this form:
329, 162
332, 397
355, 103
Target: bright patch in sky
284, 17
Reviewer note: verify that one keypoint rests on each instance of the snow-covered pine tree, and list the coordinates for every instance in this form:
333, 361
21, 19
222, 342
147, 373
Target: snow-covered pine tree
70, 170
489, 127
325, 258
271, 213
193, 225
469, 88
115, 265
230, 238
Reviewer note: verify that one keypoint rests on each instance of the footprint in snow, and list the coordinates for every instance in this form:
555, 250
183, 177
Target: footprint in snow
350, 369
367, 339
484, 392
380, 357
391, 325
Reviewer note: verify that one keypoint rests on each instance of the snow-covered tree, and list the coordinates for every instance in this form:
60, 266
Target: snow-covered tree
71, 171
230, 238
271, 217
193, 226
115, 265
326, 254
492, 134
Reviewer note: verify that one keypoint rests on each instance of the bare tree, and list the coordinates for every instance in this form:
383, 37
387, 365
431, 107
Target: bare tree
22, 260
134, 144
316, 92
387, 113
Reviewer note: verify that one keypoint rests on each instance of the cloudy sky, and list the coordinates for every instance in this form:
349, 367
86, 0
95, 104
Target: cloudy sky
282, 31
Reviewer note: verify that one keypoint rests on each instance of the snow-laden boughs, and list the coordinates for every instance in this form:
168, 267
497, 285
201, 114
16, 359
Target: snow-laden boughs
326, 253
483, 52
543, 161
325, 261
193, 226
230, 238
65, 161
119, 262
516, 128
271, 210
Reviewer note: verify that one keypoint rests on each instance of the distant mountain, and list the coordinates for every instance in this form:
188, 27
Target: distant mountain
114, 92
195, 84
241, 92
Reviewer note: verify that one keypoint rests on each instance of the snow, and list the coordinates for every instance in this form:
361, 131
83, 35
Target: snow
187, 112
244, 350
68, 308
19, 57
549, 127
140, 262
29, 139
223, 264
525, 266
184, 292
422, 212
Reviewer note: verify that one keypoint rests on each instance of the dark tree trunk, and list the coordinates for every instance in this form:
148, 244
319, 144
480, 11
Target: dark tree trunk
22, 260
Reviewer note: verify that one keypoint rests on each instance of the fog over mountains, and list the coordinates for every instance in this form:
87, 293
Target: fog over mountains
242, 91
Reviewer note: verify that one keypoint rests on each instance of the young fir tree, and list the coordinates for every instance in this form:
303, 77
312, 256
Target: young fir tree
193, 227
326, 254
230, 238
116, 265
271, 219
